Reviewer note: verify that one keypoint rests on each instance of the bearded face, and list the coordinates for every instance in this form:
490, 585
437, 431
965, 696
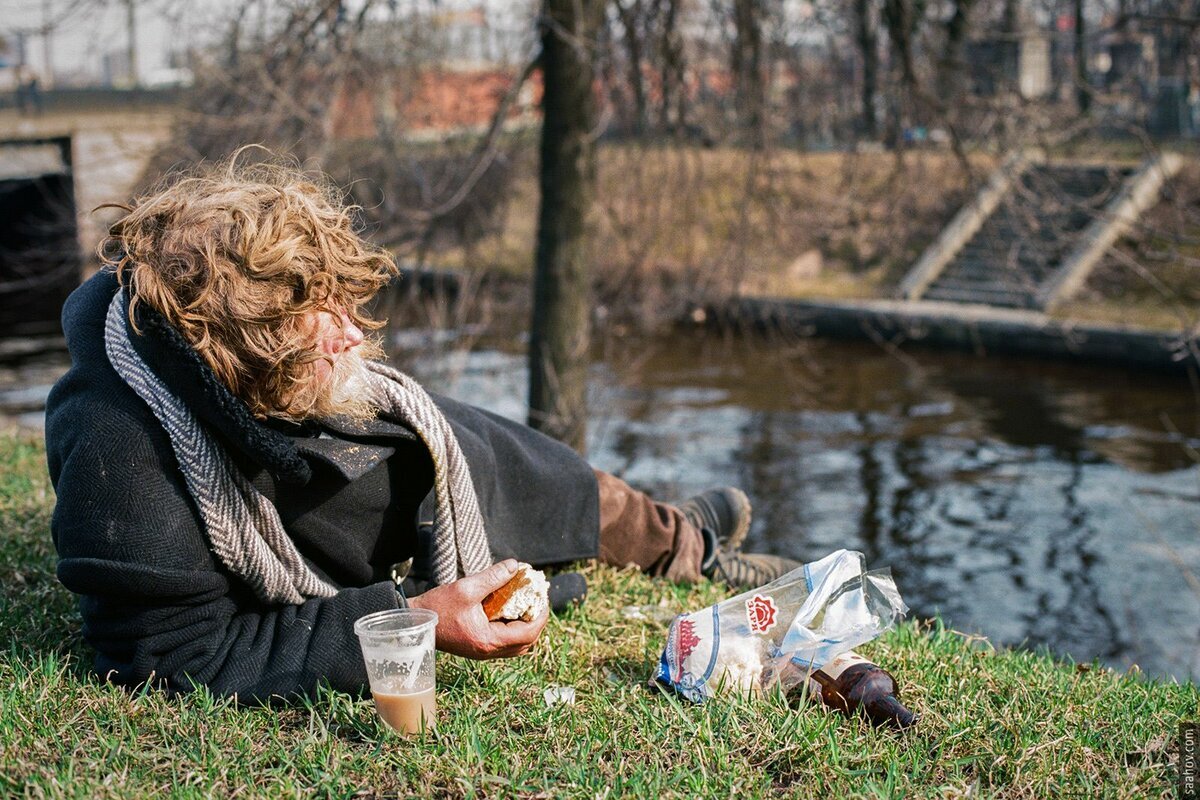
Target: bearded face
341, 373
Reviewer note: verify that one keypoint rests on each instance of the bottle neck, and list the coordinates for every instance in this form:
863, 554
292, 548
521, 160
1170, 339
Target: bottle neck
887, 710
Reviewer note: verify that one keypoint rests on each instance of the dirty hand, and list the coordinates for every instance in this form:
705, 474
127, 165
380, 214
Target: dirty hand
464, 630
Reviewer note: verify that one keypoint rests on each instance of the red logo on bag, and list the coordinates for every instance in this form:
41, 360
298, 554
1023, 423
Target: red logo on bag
760, 612
687, 638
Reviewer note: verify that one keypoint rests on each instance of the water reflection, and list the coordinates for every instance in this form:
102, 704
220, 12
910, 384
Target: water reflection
1035, 502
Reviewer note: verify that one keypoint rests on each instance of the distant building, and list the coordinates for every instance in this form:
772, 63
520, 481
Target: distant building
1017, 64
431, 100
440, 71
114, 68
1175, 109
1127, 61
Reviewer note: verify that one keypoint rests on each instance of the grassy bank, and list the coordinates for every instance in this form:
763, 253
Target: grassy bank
672, 222
724, 219
993, 723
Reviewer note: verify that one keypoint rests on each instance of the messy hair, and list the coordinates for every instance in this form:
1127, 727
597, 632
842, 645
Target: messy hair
235, 257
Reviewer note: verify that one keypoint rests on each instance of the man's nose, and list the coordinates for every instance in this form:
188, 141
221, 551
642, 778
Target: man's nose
352, 335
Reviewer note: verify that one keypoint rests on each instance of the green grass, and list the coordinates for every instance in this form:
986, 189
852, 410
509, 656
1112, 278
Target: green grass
1009, 724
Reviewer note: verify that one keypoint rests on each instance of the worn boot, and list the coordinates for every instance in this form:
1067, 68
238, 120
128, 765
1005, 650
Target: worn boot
740, 570
724, 511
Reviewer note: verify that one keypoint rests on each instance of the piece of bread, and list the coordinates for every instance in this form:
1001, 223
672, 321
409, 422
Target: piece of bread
523, 597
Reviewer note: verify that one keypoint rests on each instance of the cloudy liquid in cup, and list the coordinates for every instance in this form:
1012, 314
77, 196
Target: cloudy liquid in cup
404, 712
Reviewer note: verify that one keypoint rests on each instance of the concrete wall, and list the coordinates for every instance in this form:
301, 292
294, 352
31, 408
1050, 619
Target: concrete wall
110, 147
979, 329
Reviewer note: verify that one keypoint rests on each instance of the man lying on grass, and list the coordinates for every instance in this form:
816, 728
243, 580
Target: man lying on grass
239, 474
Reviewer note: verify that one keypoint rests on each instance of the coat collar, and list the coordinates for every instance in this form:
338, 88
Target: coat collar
184, 372
285, 449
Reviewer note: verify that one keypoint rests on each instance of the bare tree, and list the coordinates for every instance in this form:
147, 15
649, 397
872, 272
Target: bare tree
747, 66
1083, 92
560, 331
674, 66
868, 47
632, 14
953, 67
901, 18
330, 84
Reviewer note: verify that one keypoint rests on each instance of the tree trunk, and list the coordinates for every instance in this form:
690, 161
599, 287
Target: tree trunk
673, 89
632, 18
558, 347
748, 70
1083, 94
1010, 17
869, 49
954, 67
900, 18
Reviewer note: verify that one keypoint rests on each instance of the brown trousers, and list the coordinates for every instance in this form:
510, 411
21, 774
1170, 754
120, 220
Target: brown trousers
654, 537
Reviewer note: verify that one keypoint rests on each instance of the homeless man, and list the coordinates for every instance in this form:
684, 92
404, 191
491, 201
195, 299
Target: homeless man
238, 472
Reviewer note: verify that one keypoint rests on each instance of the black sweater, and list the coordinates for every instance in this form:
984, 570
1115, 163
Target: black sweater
158, 605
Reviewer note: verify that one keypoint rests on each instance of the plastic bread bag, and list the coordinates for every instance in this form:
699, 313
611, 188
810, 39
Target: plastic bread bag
778, 633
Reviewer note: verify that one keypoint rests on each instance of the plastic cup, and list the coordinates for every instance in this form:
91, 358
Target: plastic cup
398, 648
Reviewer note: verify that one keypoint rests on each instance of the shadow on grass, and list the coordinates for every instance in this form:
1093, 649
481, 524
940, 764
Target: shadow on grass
36, 612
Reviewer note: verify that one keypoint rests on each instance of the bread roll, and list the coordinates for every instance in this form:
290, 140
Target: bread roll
524, 597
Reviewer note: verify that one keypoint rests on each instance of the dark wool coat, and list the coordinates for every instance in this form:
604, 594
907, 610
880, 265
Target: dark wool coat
156, 602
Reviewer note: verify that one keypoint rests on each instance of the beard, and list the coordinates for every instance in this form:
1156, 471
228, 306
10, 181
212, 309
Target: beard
347, 392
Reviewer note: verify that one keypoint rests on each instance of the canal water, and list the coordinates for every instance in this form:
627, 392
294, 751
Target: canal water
1041, 504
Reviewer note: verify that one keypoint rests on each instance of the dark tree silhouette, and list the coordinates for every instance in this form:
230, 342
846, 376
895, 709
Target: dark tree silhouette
633, 20
1083, 95
747, 64
558, 346
868, 47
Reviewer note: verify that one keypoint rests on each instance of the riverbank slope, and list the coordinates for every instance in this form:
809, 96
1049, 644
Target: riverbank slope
679, 224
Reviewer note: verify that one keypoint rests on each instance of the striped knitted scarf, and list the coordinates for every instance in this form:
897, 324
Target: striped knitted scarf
244, 528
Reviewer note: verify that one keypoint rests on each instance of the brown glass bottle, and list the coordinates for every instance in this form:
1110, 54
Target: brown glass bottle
851, 684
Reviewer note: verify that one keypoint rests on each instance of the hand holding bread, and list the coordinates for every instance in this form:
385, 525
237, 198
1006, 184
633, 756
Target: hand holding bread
525, 597
464, 629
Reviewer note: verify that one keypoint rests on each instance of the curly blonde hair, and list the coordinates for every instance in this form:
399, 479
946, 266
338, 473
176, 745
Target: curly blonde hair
235, 258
